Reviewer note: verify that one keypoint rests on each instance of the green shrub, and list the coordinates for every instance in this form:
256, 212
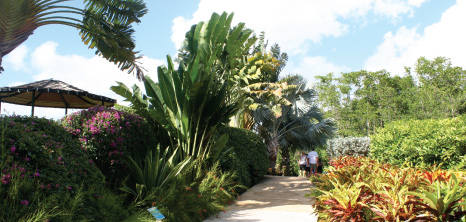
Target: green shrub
349, 146
109, 135
39, 160
422, 143
248, 157
212, 192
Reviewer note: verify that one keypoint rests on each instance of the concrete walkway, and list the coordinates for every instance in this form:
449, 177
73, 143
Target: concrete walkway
275, 198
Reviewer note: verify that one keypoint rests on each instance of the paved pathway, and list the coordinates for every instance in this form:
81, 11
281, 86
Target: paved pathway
275, 198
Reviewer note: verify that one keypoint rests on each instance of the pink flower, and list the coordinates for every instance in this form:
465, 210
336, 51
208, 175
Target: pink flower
57, 185
36, 174
69, 188
41, 186
25, 202
13, 149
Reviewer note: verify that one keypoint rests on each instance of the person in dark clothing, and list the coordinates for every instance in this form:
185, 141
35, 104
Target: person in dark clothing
320, 166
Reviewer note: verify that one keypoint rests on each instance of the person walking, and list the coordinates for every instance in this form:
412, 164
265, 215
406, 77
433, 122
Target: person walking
313, 158
302, 164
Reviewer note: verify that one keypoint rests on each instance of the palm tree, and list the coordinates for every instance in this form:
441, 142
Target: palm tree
105, 25
298, 124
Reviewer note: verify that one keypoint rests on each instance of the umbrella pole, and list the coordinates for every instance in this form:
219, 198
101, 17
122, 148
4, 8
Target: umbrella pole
33, 100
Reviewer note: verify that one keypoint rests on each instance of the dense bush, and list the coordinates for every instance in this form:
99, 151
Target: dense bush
422, 143
248, 157
109, 135
363, 189
210, 194
349, 146
39, 159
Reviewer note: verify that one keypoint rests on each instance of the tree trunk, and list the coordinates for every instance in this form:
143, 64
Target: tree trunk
286, 164
272, 148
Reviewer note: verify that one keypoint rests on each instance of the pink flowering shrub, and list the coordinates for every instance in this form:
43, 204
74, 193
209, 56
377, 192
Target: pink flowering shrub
39, 158
109, 135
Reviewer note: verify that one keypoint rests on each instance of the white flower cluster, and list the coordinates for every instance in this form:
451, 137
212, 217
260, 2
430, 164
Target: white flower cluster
349, 146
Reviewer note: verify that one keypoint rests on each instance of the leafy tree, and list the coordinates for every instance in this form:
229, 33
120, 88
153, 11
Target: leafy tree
105, 25
362, 101
441, 87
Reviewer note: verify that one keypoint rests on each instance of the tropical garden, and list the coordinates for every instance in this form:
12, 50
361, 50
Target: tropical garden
221, 115
210, 125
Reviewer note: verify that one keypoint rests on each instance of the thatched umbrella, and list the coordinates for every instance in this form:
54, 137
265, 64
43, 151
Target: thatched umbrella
52, 93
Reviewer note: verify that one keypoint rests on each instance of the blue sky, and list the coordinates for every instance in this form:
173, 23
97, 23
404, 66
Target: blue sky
319, 36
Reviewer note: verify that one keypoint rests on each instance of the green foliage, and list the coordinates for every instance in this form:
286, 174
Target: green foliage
248, 156
292, 126
363, 189
105, 25
441, 200
109, 136
362, 101
349, 146
40, 161
190, 102
422, 142
184, 201
155, 172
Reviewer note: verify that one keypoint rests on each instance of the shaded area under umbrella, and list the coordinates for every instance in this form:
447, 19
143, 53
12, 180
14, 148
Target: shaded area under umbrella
54, 94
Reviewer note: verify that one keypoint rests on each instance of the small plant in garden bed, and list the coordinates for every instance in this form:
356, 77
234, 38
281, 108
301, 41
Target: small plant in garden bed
211, 192
362, 189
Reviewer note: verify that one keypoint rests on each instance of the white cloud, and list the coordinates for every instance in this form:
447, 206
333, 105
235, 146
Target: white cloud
95, 75
294, 24
445, 38
394, 8
310, 67
16, 58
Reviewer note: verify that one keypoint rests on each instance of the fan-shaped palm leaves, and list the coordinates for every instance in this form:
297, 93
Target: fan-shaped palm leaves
299, 123
105, 25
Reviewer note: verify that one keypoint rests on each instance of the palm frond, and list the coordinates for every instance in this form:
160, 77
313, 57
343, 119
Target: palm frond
106, 26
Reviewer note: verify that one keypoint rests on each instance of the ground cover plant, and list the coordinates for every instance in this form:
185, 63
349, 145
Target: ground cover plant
364, 189
422, 143
109, 136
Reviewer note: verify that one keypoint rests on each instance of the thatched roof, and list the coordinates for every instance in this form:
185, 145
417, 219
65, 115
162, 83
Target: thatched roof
52, 93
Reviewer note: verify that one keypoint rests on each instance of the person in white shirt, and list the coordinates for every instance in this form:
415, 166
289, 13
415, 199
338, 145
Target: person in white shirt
313, 159
302, 164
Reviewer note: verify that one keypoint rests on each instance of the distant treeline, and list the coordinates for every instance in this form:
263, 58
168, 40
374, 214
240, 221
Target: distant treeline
362, 101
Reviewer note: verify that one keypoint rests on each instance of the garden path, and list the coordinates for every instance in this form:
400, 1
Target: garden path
274, 198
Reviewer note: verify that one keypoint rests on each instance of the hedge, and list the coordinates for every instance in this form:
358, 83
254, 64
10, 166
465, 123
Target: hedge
422, 143
248, 157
